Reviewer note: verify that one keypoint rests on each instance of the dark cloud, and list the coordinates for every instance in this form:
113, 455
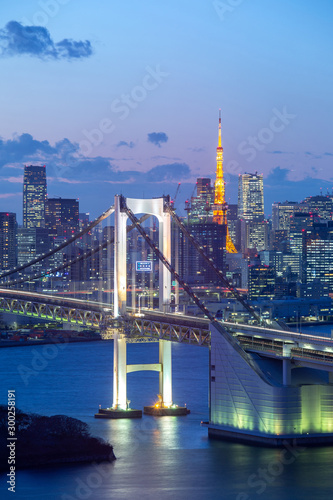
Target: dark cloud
157, 138
64, 162
125, 144
16, 39
21, 147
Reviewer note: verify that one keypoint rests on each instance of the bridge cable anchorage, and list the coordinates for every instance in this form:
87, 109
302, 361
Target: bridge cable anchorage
99, 219
167, 264
211, 264
69, 263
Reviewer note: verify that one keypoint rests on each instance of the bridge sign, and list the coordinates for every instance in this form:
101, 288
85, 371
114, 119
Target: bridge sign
144, 266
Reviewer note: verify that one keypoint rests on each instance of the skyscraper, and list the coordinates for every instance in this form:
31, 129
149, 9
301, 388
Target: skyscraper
62, 216
251, 197
8, 230
34, 196
200, 208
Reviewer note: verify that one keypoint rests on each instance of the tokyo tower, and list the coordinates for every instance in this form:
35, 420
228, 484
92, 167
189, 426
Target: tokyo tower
220, 206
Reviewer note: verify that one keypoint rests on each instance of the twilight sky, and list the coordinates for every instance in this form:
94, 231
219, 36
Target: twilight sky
122, 96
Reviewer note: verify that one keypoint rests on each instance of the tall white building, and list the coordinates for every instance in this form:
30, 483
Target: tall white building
251, 197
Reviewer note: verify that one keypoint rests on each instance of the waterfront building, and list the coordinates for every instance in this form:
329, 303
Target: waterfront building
261, 282
34, 196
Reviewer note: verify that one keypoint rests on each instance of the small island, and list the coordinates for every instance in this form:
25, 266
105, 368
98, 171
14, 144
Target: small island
50, 440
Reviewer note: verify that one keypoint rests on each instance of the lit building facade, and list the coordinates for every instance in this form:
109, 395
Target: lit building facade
319, 264
254, 400
320, 205
212, 238
62, 217
254, 235
8, 233
251, 197
261, 282
34, 196
200, 209
283, 212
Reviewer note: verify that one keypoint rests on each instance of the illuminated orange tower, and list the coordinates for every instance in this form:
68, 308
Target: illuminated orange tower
220, 206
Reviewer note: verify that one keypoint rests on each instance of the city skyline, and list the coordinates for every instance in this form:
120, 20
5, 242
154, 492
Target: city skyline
137, 114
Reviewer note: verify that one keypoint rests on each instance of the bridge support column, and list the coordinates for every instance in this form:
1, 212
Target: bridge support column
119, 373
165, 360
286, 365
164, 274
120, 253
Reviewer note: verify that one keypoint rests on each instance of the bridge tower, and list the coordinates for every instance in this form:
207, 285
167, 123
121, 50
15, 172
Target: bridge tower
155, 207
220, 206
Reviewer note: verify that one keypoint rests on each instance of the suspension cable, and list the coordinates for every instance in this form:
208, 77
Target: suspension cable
211, 263
77, 259
99, 219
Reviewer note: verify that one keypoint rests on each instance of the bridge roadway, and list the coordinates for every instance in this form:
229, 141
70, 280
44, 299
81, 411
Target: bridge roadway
54, 308
169, 326
304, 349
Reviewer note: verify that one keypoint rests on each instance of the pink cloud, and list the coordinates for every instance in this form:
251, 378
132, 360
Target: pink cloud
10, 195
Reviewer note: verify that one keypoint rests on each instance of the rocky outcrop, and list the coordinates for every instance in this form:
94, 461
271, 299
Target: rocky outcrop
50, 440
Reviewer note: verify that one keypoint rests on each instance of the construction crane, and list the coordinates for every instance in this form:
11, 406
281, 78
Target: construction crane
175, 197
188, 202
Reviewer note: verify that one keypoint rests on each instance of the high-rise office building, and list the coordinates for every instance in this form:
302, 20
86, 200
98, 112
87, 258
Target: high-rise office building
34, 196
321, 205
319, 265
62, 217
212, 237
200, 209
251, 197
254, 235
261, 282
8, 231
282, 213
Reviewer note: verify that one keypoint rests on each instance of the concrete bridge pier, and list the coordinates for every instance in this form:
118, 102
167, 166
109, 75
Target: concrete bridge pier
119, 373
165, 384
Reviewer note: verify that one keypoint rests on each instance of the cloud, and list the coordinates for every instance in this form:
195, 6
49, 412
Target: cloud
16, 39
15, 150
197, 150
126, 144
157, 137
9, 195
168, 172
65, 164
